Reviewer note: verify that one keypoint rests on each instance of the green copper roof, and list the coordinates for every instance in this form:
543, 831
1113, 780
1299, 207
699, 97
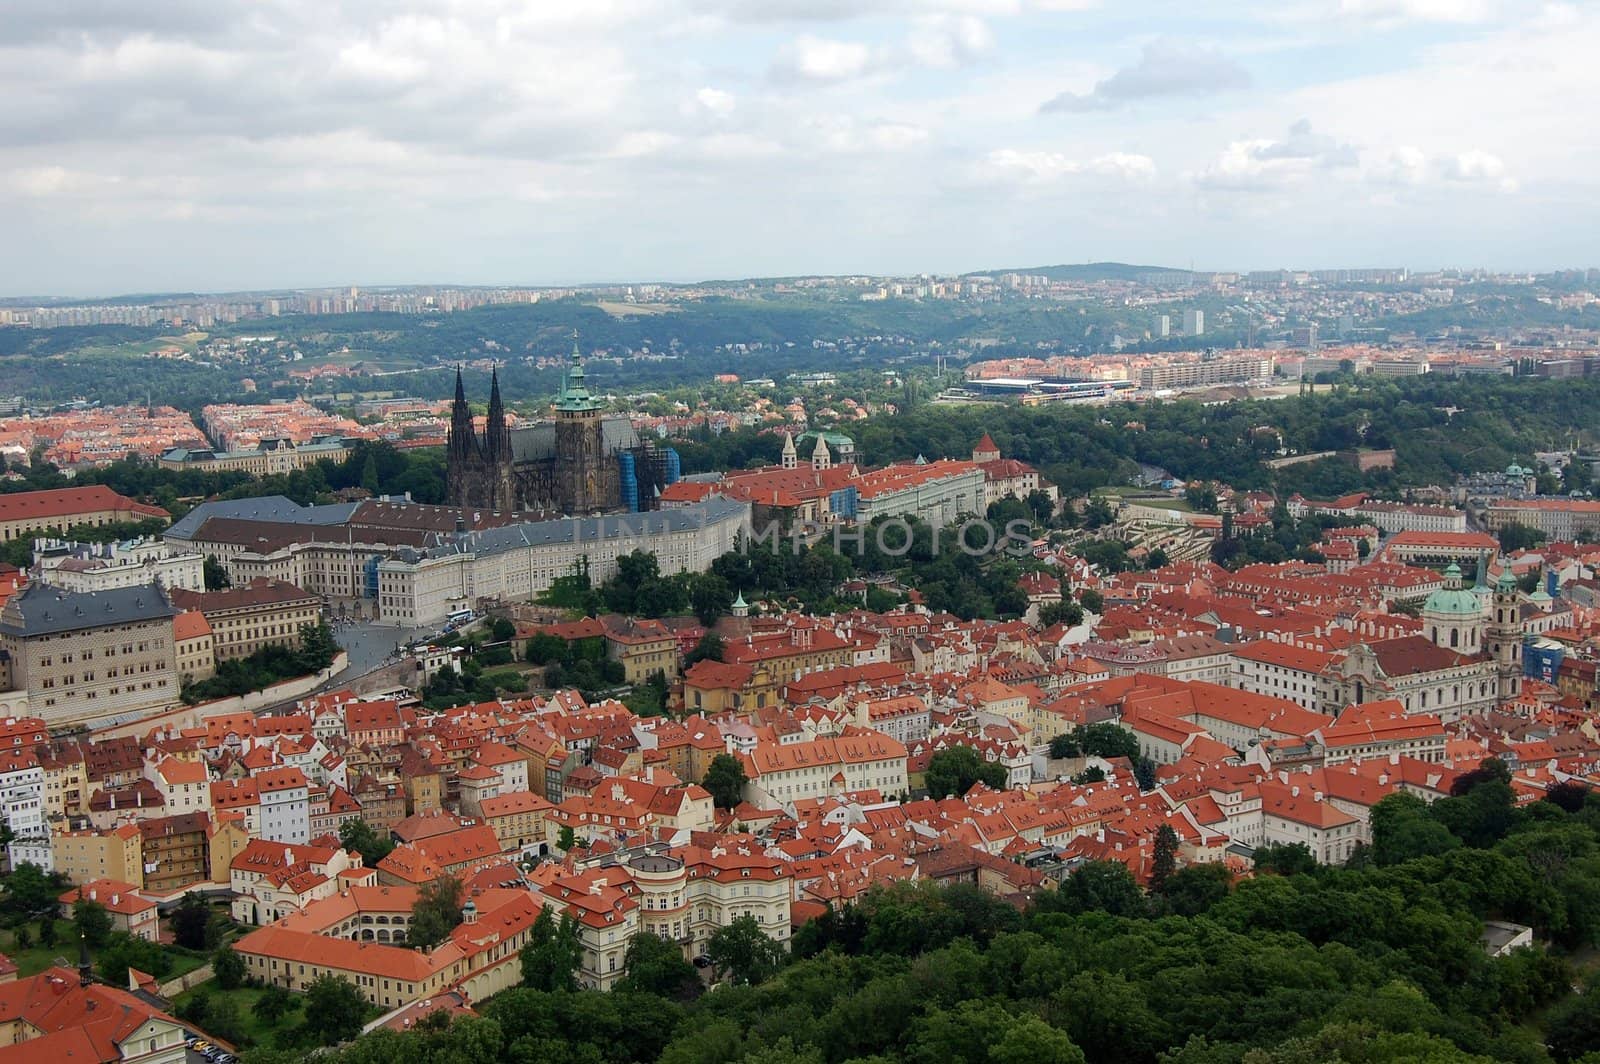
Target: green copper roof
574, 395
1453, 600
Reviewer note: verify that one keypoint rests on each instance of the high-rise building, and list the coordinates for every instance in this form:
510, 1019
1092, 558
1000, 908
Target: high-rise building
1194, 322
1164, 326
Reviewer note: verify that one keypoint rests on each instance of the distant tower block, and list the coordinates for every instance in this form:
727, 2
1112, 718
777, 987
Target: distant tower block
1194, 322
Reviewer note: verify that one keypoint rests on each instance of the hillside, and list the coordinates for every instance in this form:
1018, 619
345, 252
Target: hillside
1084, 271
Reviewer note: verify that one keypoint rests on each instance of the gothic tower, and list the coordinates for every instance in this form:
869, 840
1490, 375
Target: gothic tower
1504, 637
497, 451
585, 480
461, 449
790, 459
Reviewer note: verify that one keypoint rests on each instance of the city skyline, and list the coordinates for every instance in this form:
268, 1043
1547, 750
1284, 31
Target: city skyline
217, 147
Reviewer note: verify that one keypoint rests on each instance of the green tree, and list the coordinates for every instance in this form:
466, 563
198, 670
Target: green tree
1572, 1030
709, 597
1096, 886
369, 475
1403, 829
228, 968
1064, 746
123, 951
1515, 536
955, 769
358, 835
273, 1005
1195, 888
565, 838
189, 922
47, 930
1165, 859
30, 891
552, 955
545, 648
215, 574
725, 780
334, 1012
708, 648
1107, 741
1091, 600
222, 1019
436, 912
1065, 612
656, 966
743, 952
92, 922
984, 1032
1285, 858
318, 648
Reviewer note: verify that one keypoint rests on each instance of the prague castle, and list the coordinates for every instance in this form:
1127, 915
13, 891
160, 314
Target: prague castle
581, 462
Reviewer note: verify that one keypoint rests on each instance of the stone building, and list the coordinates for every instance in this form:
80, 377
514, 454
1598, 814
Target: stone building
581, 462
82, 656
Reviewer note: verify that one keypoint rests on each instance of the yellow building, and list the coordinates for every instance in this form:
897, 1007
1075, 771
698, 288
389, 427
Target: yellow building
24, 513
89, 854
260, 614
191, 636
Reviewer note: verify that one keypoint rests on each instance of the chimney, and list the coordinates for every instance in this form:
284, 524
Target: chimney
1294, 792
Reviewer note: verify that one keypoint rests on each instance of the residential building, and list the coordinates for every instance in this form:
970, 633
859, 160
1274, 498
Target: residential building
87, 854
60, 1015
130, 912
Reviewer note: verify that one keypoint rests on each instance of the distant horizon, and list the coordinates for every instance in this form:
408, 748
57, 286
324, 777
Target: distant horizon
174, 293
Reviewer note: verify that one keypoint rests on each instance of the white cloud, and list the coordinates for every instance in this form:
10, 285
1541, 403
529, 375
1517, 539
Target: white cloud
1475, 167
716, 101
43, 180
1266, 163
946, 41
1165, 68
821, 59
1398, 11
1043, 167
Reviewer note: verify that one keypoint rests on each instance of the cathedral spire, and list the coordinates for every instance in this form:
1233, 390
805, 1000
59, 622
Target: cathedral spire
462, 442
497, 436
575, 397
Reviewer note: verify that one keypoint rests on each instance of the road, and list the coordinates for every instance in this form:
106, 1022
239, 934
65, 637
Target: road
369, 646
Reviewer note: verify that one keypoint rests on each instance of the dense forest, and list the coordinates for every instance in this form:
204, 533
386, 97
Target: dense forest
1380, 961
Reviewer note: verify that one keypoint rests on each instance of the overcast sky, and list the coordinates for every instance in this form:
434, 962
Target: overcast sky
230, 144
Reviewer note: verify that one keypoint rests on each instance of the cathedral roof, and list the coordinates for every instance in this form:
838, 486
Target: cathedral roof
574, 395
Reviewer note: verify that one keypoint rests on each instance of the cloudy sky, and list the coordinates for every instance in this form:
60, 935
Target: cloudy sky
230, 144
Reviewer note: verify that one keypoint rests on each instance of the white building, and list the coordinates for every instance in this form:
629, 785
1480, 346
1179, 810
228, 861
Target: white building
518, 562
285, 805
22, 808
1194, 321
101, 566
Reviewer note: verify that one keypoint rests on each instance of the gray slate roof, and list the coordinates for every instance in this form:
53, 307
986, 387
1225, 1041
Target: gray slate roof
40, 609
265, 508
713, 510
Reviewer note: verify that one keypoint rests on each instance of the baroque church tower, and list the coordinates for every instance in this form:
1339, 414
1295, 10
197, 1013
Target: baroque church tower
1504, 637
